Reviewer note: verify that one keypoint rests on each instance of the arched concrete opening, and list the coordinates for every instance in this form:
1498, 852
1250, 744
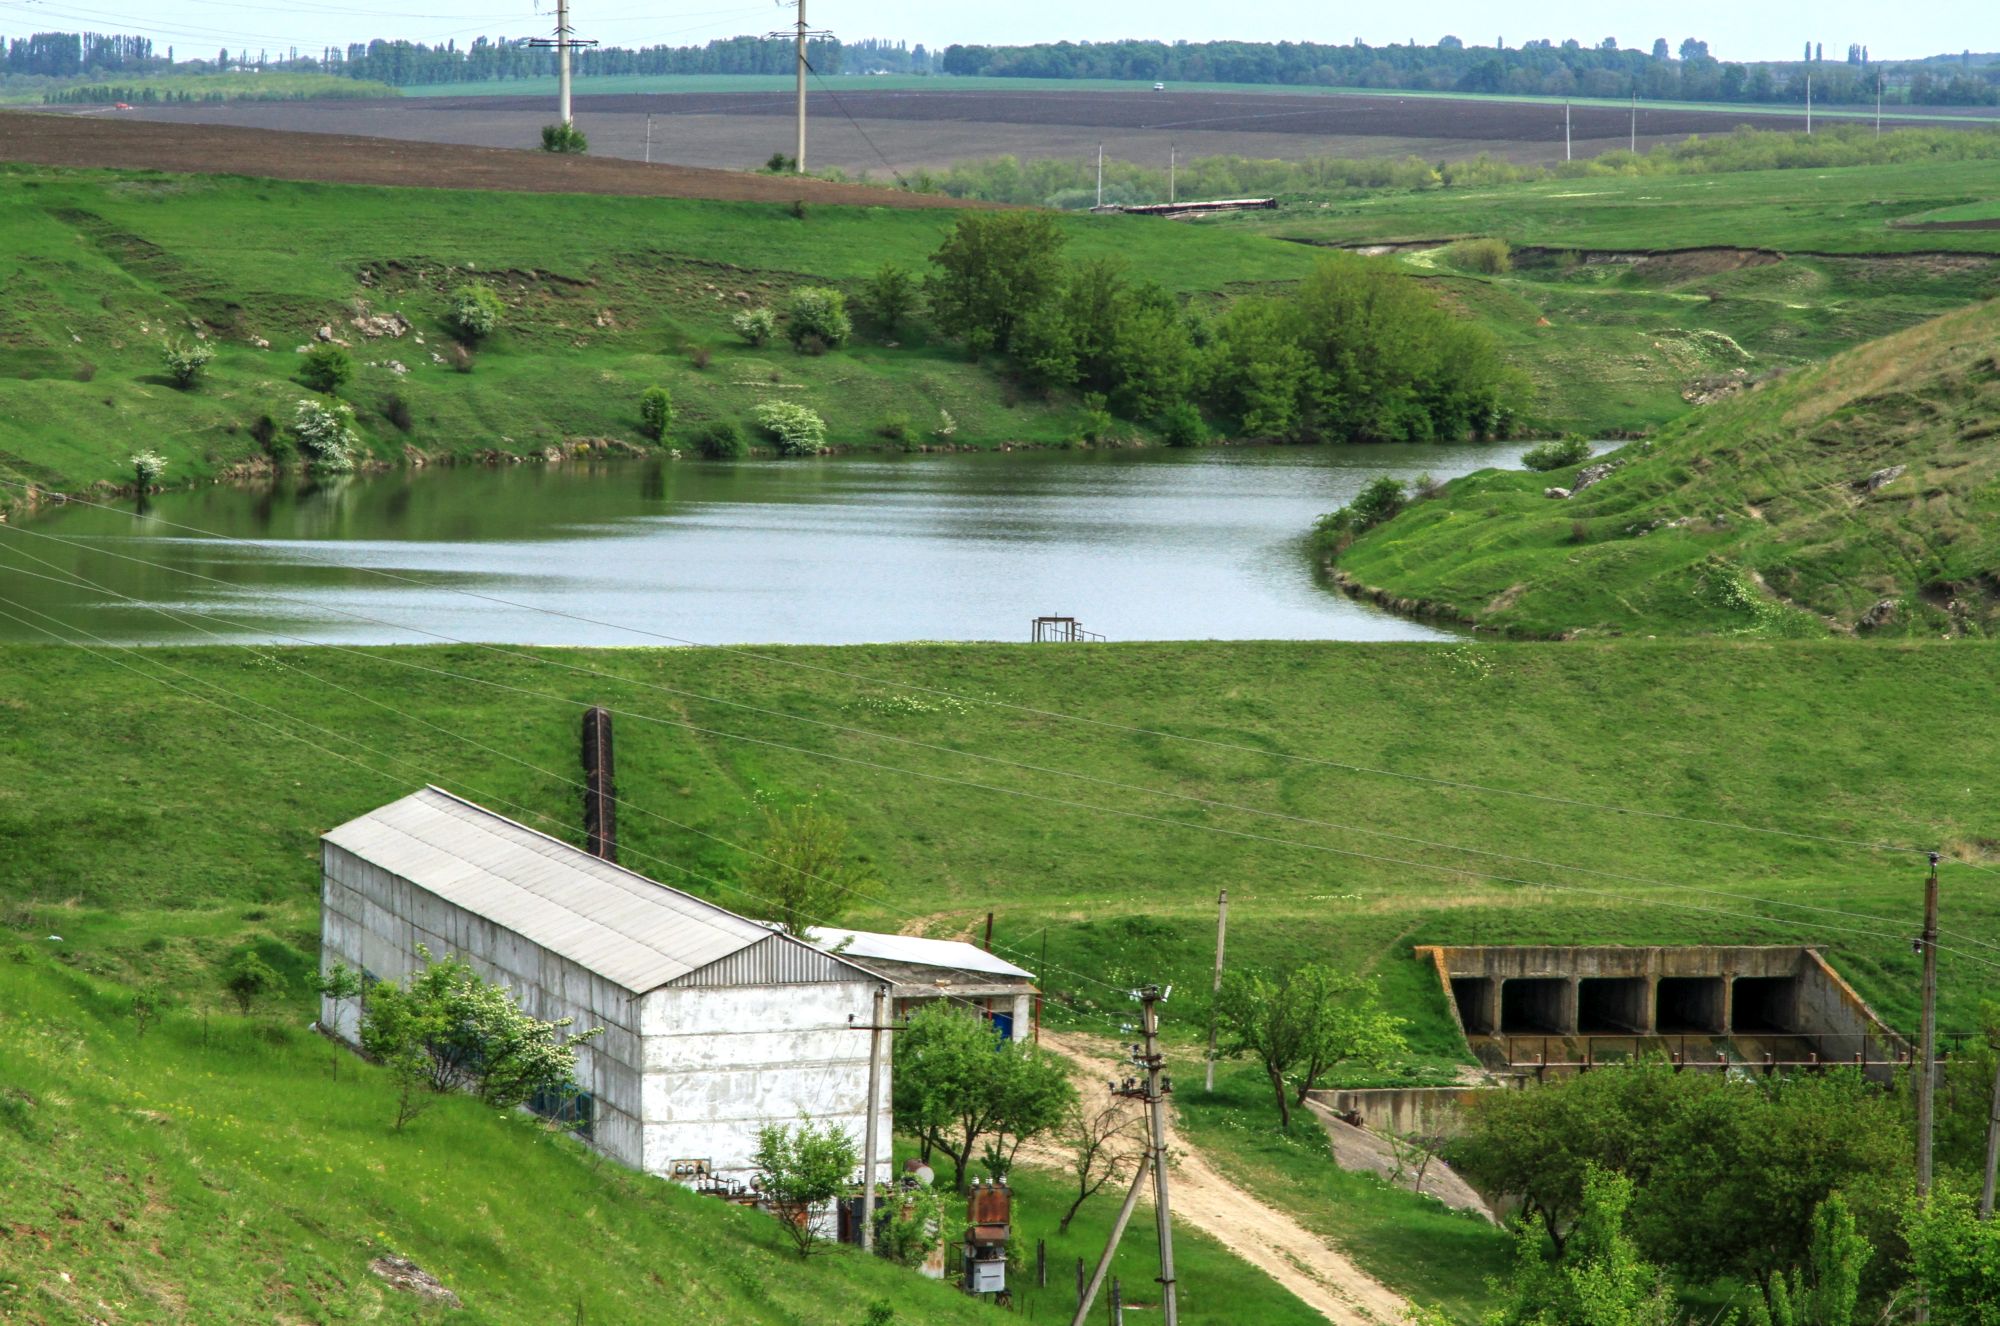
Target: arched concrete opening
1765, 1005
1474, 997
1535, 1006
1609, 1006
1691, 1005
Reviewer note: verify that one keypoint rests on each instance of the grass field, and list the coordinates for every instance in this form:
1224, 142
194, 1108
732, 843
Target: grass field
228, 87
1758, 515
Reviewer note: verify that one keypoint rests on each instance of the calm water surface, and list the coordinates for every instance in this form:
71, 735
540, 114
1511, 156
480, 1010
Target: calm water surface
1141, 545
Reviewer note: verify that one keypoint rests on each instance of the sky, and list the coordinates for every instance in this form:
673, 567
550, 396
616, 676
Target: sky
1743, 30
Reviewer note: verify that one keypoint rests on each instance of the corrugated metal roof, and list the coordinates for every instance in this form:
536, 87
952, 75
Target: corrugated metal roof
625, 927
862, 945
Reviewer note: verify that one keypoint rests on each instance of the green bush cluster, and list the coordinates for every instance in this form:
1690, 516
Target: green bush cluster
796, 430
326, 368
475, 311
1378, 501
326, 434
1357, 353
563, 138
1557, 455
656, 413
721, 440
186, 360
1487, 257
755, 325
816, 319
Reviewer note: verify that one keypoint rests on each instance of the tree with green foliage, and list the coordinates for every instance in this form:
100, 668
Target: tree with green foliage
992, 270
326, 369
449, 1029
816, 319
475, 312
800, 1169
1954, 1257
1601, 1280
797, 430
754, 325
957, 1084
656, 413
804, 872
250, 978
147, 467
186, 361
890, 297
1826, 1291
1379, 500
338, 984
1300, 1025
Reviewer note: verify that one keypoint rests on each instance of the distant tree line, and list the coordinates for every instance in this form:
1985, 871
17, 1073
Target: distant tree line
1535, 68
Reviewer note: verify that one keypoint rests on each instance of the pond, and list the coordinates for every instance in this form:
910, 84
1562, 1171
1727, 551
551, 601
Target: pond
1138, 545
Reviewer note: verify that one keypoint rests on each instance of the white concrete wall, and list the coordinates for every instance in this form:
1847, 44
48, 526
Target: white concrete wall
374, 920
720, 1064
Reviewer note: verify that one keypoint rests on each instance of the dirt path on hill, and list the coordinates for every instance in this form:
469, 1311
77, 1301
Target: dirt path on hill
1317, 1273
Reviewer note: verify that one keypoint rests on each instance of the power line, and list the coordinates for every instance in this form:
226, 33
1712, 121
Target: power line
1206, 803
1572, 803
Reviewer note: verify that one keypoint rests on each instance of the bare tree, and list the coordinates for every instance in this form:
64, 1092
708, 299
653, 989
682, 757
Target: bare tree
1101, 1148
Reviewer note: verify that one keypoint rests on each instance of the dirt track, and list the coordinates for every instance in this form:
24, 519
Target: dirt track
1312, 1269
126, 142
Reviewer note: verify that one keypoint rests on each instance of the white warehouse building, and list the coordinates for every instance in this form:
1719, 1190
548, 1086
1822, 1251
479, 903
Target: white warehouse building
714, 1025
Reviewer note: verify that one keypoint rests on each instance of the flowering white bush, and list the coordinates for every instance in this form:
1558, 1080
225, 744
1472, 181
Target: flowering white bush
797, 430
148, 466
755, 325
326, 434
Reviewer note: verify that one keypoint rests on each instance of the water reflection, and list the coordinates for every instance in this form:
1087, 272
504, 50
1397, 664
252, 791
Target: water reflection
1140, 545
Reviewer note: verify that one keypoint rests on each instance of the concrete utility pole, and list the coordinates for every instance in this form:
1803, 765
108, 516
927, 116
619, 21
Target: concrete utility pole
1100, 174
1215, 992
649, 138
800, 33
876, 1025
1173, 161
1809, 105
564, 39
1927, 1071
1635, 124
1154, 1094
1568, 154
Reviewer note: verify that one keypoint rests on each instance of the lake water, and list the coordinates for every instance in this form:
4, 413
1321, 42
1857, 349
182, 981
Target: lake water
1139, 545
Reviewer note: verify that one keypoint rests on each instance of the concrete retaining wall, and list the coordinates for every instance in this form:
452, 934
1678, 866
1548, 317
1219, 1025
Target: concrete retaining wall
1428, 1111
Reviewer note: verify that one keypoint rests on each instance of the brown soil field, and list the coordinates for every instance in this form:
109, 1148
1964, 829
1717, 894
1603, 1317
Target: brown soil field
881, 131
127, 142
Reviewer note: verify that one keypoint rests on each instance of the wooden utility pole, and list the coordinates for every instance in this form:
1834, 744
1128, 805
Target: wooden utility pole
1215, 991
1153, 1092
1927, 1070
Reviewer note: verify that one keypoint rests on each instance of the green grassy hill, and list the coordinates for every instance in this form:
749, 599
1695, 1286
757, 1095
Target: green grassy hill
606, 296
1859, 495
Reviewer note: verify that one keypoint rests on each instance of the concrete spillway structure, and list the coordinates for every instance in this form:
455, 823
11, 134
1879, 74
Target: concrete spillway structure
1544, 1003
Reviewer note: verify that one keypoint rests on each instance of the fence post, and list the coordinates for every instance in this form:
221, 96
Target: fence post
1041, 1264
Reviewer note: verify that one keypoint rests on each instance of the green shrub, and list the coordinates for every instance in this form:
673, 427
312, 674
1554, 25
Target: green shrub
249, 979
896, 428
755, 325
818, 313
721, 440
1097, 422
1558, 455
891, 296
780, 164
656, 412
1180, 424
1487, 257
797, 430
475, 311
326, 368
326, 434
563, 138
185, 361
1379, 500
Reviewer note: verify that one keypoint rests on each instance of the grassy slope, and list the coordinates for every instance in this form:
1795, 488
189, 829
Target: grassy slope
111, 837
187, 1176
1847, 209
102, 267
1769, 481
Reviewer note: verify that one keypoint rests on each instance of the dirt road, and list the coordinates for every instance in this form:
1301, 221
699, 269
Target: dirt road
1315, 1271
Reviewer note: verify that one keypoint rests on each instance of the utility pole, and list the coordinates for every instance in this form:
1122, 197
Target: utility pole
1927, 1079
649, 138
799, 33
1153, 1092
564, 39
877, 1025
1100, 174
1635, 124
1878, 103
1173, 162
1215, 992
1992, 1143
1568, 153
1809, 105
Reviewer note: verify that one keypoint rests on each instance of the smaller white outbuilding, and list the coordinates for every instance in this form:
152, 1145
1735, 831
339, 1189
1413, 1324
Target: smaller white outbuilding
714, 1024
925, 970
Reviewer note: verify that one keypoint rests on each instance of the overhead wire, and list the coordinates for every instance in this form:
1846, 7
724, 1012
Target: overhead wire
848, 729
866, 137
1573, 803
